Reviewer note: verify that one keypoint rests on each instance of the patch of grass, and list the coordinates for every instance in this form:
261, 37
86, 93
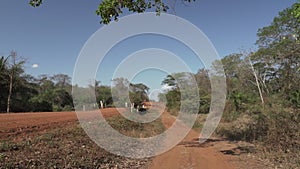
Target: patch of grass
9, 146
198, 125
2, 156
135, 129
174, 111
231, 116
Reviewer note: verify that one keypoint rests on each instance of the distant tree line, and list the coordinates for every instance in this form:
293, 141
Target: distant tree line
121, 93
21, 92
125, 92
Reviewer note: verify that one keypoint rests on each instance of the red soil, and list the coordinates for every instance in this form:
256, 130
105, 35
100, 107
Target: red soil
18, 124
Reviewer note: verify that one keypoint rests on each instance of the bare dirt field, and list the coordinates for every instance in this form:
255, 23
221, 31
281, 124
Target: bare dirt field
18, 124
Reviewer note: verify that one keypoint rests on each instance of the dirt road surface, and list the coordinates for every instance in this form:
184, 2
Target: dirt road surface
187, 156
20, 124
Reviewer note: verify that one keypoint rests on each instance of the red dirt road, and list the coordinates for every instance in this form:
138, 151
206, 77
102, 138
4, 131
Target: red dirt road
185, 156
17, 124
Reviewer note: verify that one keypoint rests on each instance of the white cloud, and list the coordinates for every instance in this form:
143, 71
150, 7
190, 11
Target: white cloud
35, 66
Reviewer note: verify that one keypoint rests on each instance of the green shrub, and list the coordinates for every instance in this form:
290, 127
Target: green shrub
40, 105
294, 98
57, 108
68, 108
204, 104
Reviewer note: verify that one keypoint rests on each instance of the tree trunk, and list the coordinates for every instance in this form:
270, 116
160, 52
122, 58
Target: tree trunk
9, 92
11, 76
257, 82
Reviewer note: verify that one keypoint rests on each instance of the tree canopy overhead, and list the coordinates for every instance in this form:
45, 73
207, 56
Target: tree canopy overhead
110, 10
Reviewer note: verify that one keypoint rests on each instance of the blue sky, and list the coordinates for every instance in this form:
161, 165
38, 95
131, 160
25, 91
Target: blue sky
52, 35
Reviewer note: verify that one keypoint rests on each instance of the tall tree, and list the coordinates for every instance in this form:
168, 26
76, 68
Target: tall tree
279, 52
138, 93
15, 69
3, 62
3, 83
120, 91
61, 80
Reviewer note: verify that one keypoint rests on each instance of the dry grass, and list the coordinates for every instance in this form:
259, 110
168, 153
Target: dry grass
69, 147
134, 129
274, 131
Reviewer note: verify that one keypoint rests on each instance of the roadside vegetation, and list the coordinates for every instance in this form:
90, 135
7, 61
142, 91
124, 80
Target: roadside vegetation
22, 92
263, 93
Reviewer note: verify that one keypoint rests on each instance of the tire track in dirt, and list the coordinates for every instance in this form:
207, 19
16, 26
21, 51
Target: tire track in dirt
185, 156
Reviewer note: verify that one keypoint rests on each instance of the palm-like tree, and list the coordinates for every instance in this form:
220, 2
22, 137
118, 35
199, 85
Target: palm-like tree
15, 68
3, 62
